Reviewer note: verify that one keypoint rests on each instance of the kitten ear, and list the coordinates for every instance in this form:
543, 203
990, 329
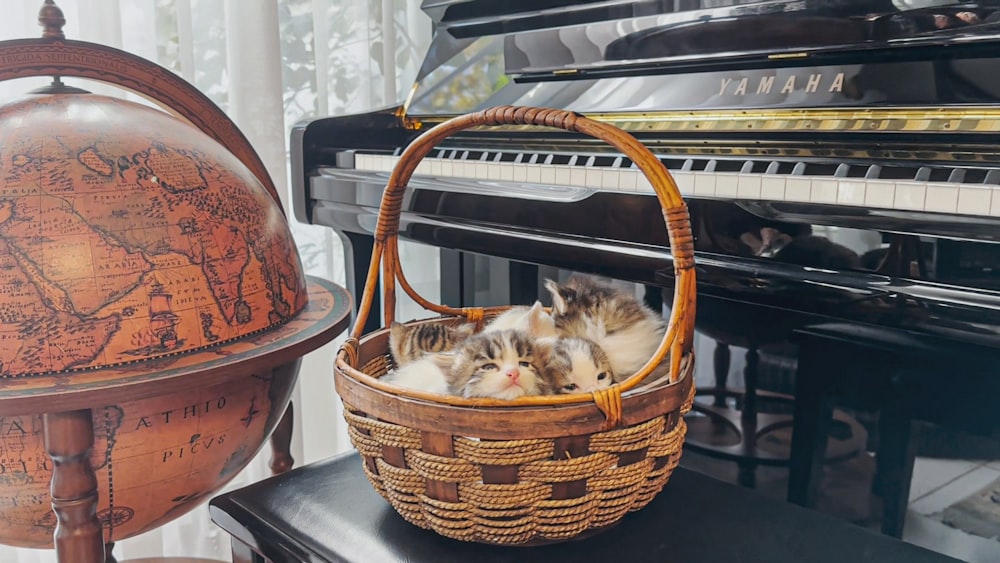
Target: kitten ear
539, 322
753, 241
397, 331
560, 296
464, 331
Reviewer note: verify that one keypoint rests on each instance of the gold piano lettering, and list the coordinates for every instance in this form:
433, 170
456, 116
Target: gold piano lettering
725, 83
807, 84
765, 84
813, 82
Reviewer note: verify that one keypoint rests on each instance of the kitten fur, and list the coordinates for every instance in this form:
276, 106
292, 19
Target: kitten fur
499, 364
534, 320
425, 374
615, 320
410, 343
575, 365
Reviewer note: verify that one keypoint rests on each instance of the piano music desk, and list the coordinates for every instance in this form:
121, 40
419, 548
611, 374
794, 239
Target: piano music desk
328, 511
905, 377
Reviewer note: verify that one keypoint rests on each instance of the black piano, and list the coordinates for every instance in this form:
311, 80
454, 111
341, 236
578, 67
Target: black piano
839, 159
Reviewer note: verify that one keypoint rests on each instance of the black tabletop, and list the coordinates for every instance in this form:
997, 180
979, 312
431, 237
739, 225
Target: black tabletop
329, 512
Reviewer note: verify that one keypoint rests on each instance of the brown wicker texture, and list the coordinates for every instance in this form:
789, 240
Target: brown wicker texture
534, 470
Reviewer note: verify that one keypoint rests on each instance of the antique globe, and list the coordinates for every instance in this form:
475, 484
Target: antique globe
148, 276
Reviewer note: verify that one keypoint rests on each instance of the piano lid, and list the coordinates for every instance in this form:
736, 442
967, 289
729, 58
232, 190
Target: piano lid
616, 56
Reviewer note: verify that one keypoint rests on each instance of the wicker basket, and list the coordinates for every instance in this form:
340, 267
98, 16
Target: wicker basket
538, 469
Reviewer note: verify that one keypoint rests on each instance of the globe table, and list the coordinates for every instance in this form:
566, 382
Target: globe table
69, 405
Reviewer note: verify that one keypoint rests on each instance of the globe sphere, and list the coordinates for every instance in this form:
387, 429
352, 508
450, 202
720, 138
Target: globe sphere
130, 240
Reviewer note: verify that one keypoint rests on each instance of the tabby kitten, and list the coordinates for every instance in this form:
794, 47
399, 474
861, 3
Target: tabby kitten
615, 320
499, 364
534, 320
410, 343
575, 365
429, 373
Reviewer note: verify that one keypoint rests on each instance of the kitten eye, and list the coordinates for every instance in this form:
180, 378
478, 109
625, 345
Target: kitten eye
602, 376
490, 366
525, 364
570, 387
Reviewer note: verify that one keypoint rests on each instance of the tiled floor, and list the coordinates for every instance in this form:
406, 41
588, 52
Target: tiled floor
936, 484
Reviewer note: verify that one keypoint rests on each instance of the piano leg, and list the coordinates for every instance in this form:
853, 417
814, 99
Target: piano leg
812, 421
895, 458
358, 253
457, 279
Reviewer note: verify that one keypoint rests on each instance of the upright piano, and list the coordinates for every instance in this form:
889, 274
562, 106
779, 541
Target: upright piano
839, 157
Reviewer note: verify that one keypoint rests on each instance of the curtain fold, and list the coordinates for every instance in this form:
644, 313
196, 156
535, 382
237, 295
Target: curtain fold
268, 64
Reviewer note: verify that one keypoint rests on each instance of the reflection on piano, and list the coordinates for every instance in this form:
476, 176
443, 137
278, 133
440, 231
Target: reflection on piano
859, 136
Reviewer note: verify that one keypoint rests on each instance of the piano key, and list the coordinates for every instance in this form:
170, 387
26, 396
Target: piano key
704, 184
910, 195
726, 184
823, 190
798, 188
772, 187
974, 200
923, 195
749, 186
942, 198
880, 194
851, 191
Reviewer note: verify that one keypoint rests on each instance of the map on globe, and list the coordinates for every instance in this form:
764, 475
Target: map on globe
125, 237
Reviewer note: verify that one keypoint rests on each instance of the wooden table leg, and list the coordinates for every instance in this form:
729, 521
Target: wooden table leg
281, 443
69, 439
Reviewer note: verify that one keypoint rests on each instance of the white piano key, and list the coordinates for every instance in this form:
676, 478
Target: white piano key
594, 178
519, 172
685, 182
361, 161
726, 184
492, 171
749, 186
974, 200
642, 184
506, 172
465, 169
851, 191
423, 168
798, 188
533, 173
942, 198
434, 167
481, 170
704, 183
910, 195
386, 163
447, 168
772, 187
610, 178
548, 174
995, 206
629, 178
880, 194
578, 176
823, 191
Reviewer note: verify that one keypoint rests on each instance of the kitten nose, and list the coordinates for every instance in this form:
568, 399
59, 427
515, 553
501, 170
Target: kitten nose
514, 374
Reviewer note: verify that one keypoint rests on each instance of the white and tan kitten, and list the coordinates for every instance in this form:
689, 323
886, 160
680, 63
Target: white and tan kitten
409, 343
534, 320
428, 373
500, 364
575, 365
627, 331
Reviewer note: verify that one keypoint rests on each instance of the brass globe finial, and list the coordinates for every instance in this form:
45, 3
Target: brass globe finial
51, 18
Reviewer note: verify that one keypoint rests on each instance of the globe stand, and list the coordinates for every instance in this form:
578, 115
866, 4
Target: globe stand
66, 406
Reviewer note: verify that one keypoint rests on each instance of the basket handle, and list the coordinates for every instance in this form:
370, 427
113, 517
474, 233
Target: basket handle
680, 329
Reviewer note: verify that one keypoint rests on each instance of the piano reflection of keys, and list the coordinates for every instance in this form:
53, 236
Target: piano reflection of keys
838, 158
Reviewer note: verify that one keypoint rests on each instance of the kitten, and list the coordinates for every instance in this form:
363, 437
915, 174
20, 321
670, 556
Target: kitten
575, 365
428, 373
499, 364
534, 320
804, 250
615, 320
410, 343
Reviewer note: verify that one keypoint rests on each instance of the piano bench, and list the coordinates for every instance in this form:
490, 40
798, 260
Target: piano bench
328, 511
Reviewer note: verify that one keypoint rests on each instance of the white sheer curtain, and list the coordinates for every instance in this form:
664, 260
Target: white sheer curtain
268, 64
